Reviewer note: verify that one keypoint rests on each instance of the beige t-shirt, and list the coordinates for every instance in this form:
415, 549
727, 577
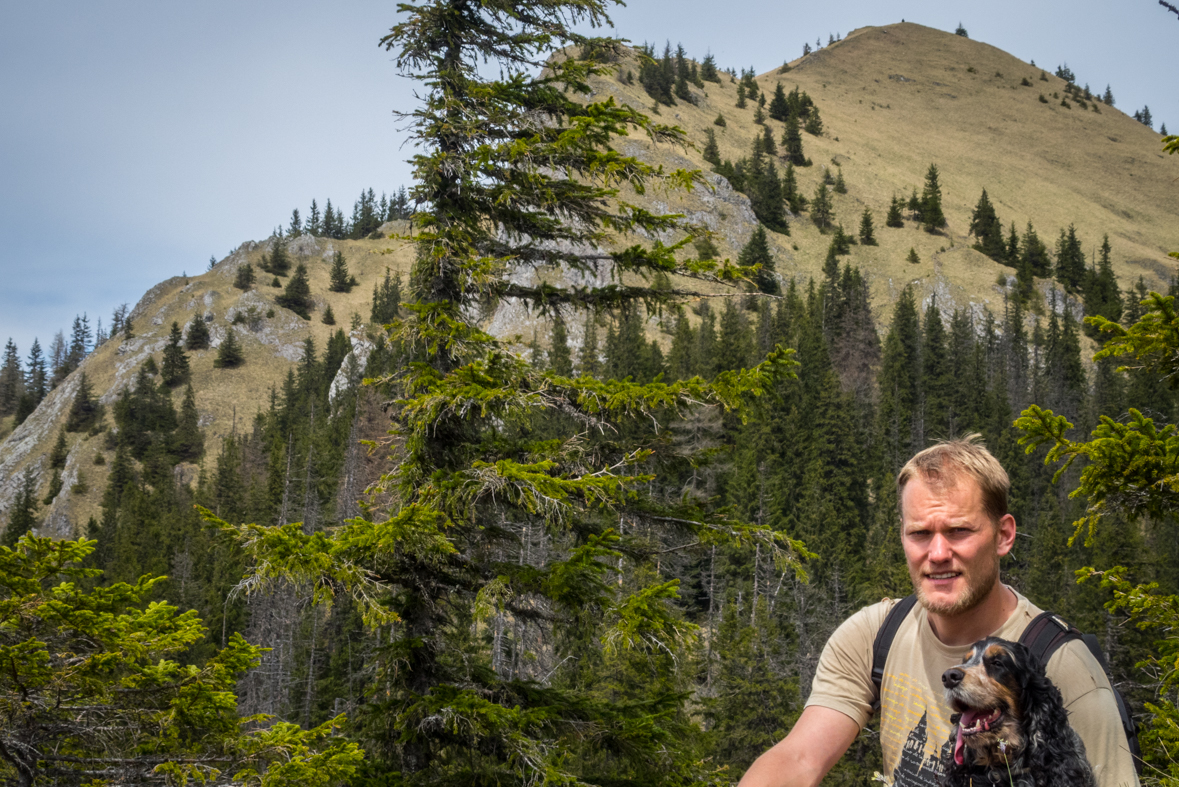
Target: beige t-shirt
914, 716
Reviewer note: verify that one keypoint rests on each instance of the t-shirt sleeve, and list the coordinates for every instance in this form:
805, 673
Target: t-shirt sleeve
1093, 713
843, 677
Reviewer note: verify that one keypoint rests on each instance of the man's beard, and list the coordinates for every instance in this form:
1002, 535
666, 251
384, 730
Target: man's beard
977, 588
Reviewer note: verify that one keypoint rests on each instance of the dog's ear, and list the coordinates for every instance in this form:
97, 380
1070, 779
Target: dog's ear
1045, 725
1041, 706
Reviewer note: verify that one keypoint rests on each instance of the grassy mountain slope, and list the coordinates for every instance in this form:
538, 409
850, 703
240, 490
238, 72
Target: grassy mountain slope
227, 399
893, 100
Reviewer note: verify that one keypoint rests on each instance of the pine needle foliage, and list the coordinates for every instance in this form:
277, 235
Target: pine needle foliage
513, 175
99, 688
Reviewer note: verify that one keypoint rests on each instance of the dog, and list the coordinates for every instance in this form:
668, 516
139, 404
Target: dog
1009, 723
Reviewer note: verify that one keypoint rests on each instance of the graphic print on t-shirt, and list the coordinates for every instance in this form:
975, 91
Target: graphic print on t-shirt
914, 732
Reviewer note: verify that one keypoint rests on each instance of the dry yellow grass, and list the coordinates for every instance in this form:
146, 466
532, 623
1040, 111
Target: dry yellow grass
894, 100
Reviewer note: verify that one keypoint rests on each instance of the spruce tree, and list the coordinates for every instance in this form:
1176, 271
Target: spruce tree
900, 384
757, 252
329, 317
741, 96
913, 257
36, 377
894, 218
297, 294
822, 212
867, 232
936, 379
985, 225
840, 185
1070, 261
767, 142
792, 142
187, 441
11, 380
1103, 296
588, 363
711, 152
790, 193
85, 409
386, 305
779, 108
245, 277
341, 281
229, 354
61, 450
175, 369
1034, 254
54, 488
475, 484
22, 515
560, 357
197, 336
813, 125
931, 202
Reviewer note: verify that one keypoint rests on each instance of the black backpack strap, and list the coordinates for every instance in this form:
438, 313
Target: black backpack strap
884, 638
1044, 636
1046, 633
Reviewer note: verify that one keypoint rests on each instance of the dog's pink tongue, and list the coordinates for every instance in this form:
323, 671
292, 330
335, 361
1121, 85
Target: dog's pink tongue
966, 720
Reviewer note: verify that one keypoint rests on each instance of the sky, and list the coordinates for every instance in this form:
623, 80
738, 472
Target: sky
139, 138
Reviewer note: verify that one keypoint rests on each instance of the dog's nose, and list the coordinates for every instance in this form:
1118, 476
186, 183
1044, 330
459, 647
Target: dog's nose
952, 677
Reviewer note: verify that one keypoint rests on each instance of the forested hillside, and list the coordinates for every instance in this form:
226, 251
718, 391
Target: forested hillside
603, 493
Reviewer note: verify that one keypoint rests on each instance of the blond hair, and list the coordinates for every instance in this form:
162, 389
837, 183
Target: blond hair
942, 465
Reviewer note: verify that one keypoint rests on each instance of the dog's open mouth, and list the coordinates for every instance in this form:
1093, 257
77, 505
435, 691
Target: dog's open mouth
972, 722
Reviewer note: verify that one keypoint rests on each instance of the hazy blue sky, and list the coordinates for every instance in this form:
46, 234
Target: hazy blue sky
139, 138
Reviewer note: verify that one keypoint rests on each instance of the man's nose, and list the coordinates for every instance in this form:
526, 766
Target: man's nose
939, 549
952, 677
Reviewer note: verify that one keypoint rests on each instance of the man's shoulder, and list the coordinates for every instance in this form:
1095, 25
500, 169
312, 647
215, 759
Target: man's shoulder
866, 621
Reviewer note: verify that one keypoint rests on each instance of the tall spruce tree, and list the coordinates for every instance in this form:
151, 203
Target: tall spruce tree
22, 514
341, 281
894, 218
245, 277
757, 252
473, 479
985, 225
197, 336
175, 369
932, 216
867, 232
386, 305
12, 380
822, 211
297, 294
85, 409
792, 142
229, 353
560, 357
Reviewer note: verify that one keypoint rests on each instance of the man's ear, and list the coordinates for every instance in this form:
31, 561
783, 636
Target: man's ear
1006, 536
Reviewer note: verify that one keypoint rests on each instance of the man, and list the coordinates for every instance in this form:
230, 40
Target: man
954, 529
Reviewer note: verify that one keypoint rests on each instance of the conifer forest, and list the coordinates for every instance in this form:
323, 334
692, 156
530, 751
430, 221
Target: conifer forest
609, 553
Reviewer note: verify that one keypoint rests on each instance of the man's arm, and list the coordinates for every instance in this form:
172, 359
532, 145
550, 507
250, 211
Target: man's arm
803, 757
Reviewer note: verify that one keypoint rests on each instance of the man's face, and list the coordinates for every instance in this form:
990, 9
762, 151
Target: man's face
951, 545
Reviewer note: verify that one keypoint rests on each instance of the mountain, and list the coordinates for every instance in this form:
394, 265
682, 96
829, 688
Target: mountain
272, 340
893, 100
897, 98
